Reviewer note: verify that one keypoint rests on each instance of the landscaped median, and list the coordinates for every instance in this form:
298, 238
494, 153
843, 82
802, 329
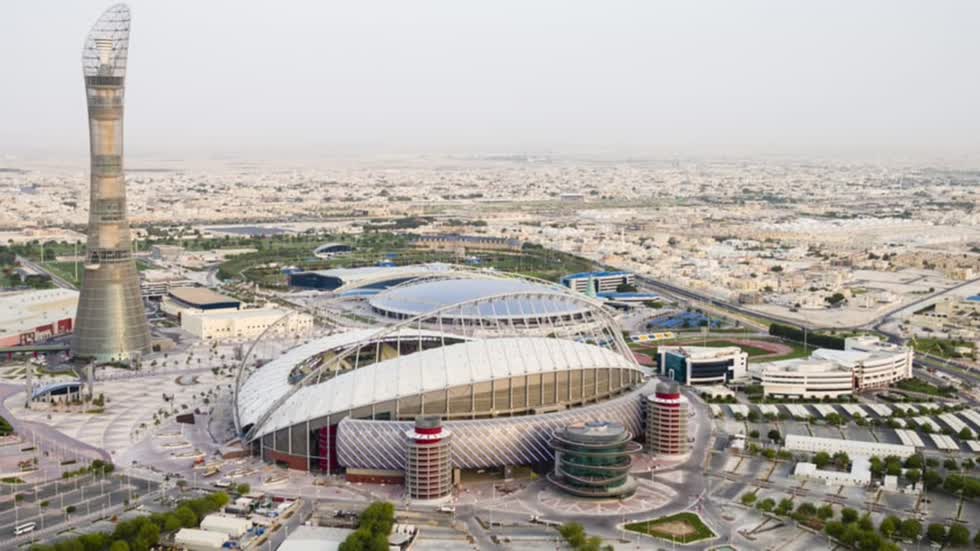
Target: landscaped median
678, 528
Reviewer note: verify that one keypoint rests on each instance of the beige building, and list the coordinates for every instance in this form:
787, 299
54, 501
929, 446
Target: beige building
244, 324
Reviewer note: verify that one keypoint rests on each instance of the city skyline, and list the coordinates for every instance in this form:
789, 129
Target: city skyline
655, 79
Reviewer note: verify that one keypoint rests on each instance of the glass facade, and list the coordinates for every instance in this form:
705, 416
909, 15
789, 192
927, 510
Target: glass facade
593, 460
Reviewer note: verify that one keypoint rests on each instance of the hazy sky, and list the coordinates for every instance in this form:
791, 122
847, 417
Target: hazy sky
502, 76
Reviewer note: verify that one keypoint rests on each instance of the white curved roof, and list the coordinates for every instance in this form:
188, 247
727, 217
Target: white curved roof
435, 369
538, 299
271, 381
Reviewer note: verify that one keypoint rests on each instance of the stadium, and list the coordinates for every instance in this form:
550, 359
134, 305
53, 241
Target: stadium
505, 362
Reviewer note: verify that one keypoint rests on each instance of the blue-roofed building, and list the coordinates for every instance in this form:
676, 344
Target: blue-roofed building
379, 277
597, 282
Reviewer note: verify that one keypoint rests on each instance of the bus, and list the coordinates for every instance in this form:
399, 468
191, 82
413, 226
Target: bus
24, 528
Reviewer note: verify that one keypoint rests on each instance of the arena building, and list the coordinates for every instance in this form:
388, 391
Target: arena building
27, 317
332, 250
483, 300
347, 400
366, 279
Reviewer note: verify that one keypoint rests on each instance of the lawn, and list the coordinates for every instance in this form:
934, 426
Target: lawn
944, 348
680, 528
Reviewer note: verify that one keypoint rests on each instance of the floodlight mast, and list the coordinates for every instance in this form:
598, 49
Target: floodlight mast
111, 322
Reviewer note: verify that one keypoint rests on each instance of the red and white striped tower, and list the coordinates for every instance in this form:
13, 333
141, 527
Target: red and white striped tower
667, 413
428, 462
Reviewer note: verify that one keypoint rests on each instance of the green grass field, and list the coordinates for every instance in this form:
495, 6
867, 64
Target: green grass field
680, 528
943, 348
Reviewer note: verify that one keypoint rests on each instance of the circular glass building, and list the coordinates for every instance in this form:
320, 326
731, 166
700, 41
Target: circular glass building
593, 460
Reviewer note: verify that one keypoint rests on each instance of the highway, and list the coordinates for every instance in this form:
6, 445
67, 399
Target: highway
58, 280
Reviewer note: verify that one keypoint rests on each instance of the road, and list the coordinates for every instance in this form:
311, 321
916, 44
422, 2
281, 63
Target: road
58, 280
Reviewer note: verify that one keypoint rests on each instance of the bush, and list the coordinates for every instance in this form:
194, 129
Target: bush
936, 533
848, 515
910, 529
958, 535
747, 499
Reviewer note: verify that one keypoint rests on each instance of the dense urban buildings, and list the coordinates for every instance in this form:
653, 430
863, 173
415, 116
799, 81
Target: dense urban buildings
111, 322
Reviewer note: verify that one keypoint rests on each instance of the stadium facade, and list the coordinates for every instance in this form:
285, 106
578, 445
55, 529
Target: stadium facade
347, 400
111, 323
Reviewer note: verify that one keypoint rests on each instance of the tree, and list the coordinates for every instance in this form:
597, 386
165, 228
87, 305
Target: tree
119, 545
890, 525
932, 479
171, 523
842, 460
834, 529
785, 506
965, 434
821, 459
848, 515
243, 489
188, 518
753, 434
825, 512
807, 509
748, 499
951, 465
574, 533
953, 483
866, 523
913, 475
766, 505
958, 535
936, 532
774, 435
911, 529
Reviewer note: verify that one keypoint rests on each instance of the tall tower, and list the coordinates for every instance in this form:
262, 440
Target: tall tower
111, 323
666, 416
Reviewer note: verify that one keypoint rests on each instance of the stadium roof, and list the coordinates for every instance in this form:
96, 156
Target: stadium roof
352, 278
200, 296
464, 363
420, 298
271, 381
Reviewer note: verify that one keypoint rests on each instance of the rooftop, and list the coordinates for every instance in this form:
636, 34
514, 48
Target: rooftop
200, 296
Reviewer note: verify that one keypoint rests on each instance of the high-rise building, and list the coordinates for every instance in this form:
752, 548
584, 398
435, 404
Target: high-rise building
666, 418
111, 323
428, 465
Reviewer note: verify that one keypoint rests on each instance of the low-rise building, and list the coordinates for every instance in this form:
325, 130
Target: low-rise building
193, 539
27, 317
598, 282
859, 475
814, 444
865, 363
244, 324
181, 301
697, 365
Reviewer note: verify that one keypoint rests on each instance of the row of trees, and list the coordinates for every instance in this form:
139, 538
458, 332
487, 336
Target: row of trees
791, 333
143, 533
574, 534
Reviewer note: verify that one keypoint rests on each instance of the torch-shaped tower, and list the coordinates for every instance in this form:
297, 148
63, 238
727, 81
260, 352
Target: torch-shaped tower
111, 323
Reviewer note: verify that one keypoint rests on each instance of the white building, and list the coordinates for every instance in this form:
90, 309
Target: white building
813, 444
27, 317
859, 475
199, 540
699, 365
233, 527
804, 378
244, 324
865, 363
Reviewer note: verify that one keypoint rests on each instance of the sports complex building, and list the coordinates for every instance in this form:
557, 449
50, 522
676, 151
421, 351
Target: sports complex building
504, 362
366, 279
865, 363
